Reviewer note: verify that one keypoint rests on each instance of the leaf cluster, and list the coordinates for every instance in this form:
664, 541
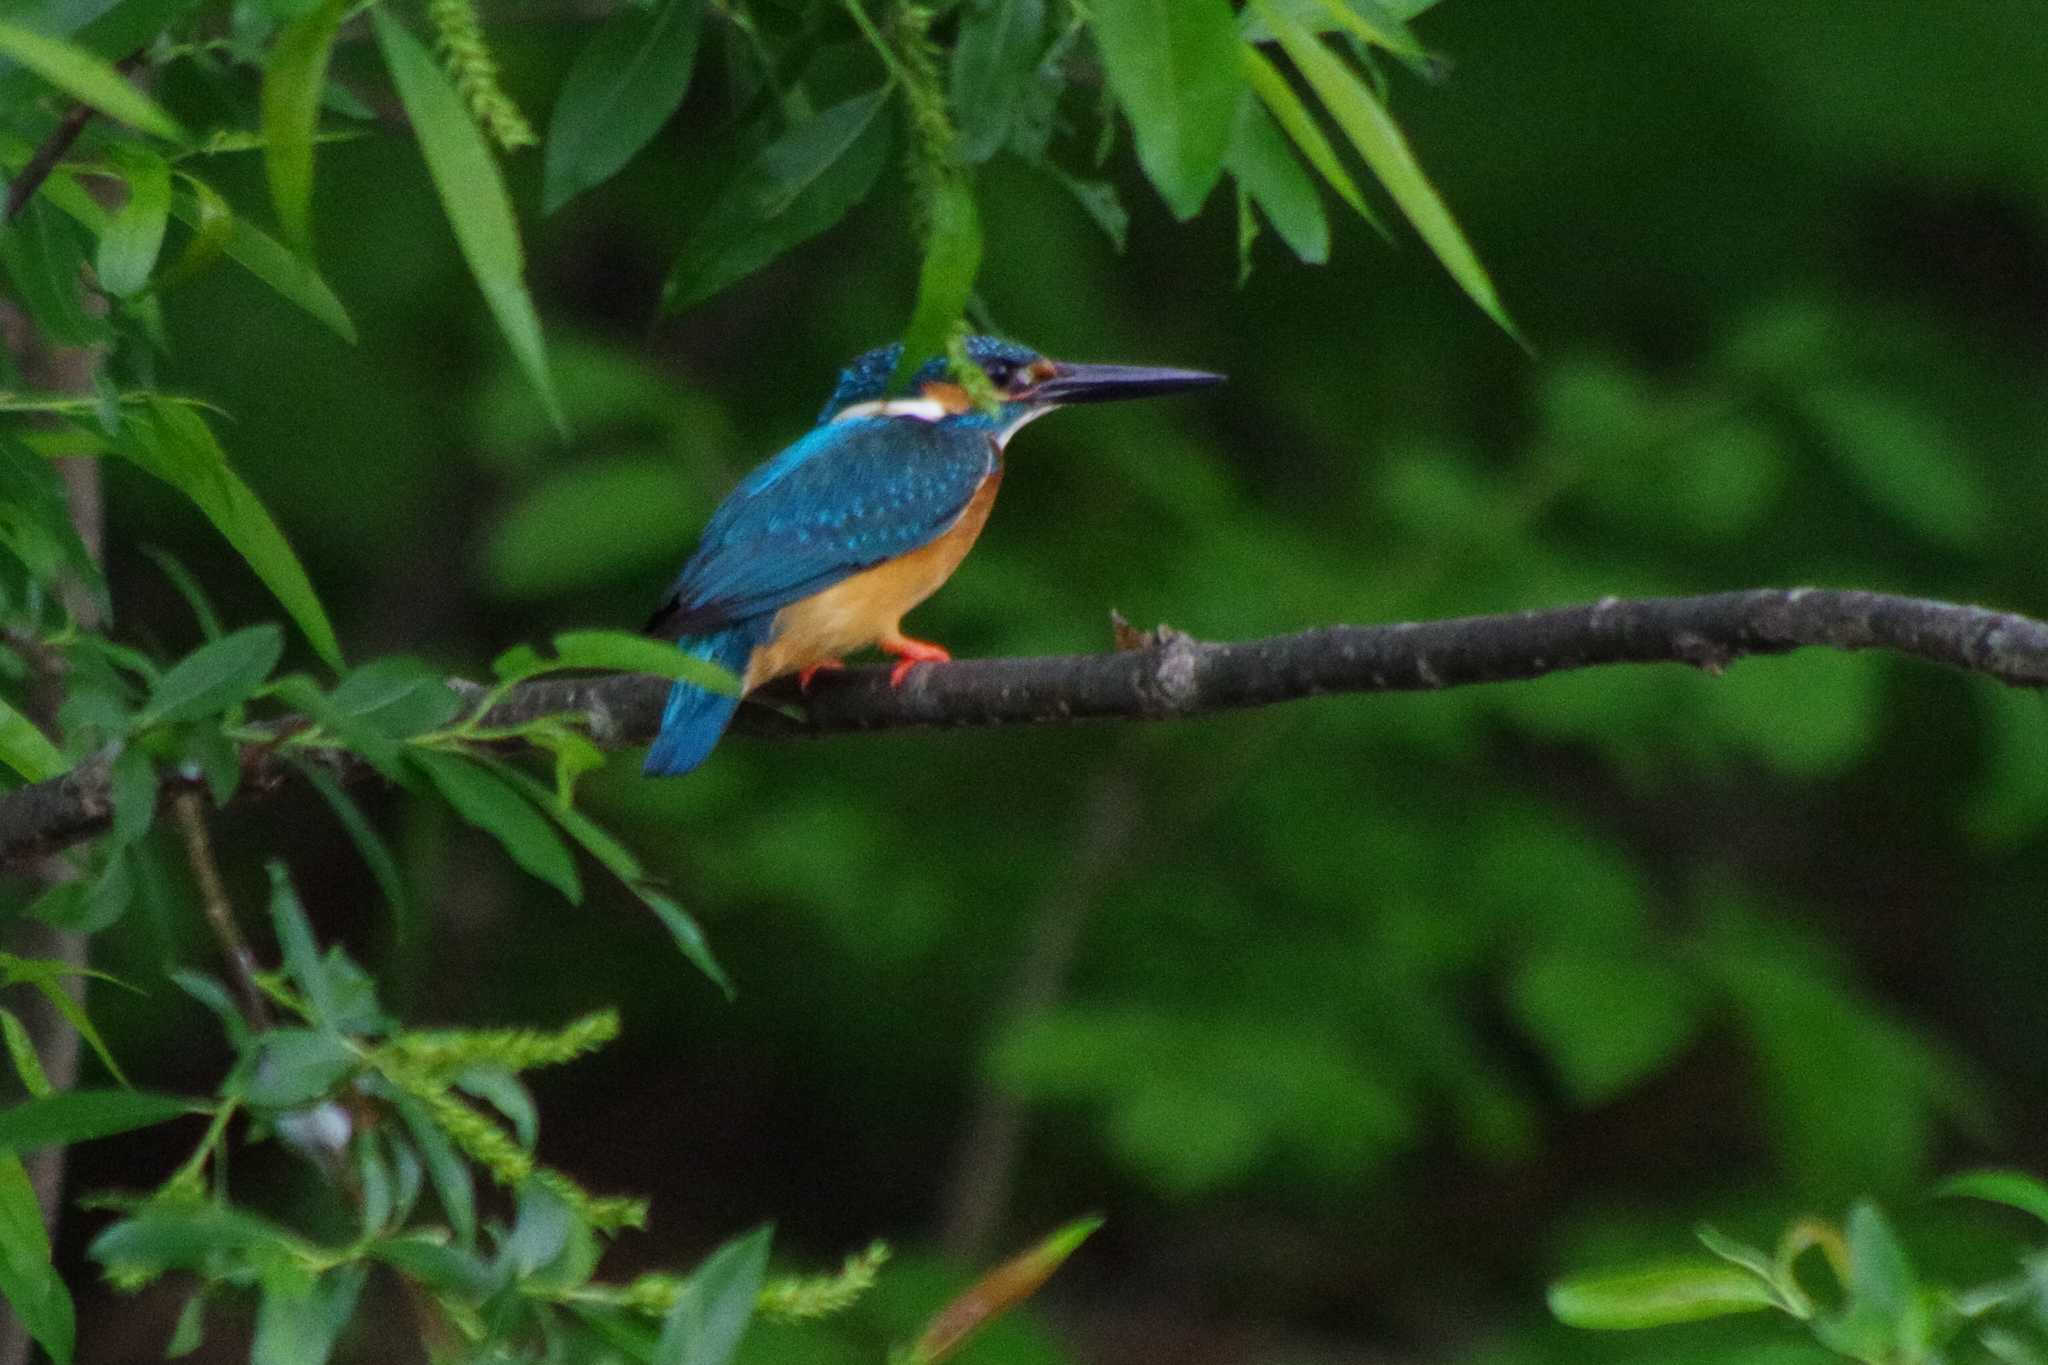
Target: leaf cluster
1878, 1310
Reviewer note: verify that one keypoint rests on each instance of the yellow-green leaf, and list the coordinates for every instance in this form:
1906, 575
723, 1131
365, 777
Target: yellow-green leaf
87, 79
1373, 132
29, 1283
473, 195
952, 255
172, 442
1657, 1295
25, 748
211, 221
135, 234
1301, 127
292, 81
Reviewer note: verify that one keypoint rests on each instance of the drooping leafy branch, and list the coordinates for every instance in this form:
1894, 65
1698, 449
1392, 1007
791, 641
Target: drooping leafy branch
113, 209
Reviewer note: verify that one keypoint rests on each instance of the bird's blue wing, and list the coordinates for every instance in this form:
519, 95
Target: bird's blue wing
844, 498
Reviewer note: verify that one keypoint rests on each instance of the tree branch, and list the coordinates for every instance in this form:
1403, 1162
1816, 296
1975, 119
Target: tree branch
1165, 674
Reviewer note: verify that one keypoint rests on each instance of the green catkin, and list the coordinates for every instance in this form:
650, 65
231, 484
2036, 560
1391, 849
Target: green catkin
459, 38
445, 1054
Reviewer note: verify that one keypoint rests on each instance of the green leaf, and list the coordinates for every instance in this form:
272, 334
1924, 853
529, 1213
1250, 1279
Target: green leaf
619, 860
212, 223
134, 235
42, 254
292, 277
92, 905
503, 1090
87, 79
540, 1230
291, 1067
1260, 160
1174, 68
717, 1301
189, 1330
1099, 200
396, 696
446, 1169
293, 77
2010, 1188
170, 1237
29, 1283
172, 442
1657, 1296
627, 82
1366, 123
790, 191
215, 997
452, 1272
214, 677
21, 1050
1784, 1286
994, 60
473, 194
1383, 23
375, 852
299, 949
952, 255
26, 749
493, 805
81, 1115
132, 787
1880, 1277
619, 650
36, 524
687, 933
67, 1004
188, 588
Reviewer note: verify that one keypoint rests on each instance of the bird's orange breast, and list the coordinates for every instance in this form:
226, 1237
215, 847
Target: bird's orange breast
855, 612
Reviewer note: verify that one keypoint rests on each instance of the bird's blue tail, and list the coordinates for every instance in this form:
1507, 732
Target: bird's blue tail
694, 717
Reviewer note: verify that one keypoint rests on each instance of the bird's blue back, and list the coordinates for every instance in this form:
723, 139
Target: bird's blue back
847, 496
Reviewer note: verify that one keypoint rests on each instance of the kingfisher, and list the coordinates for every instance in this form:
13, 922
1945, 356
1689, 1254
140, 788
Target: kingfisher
824, 548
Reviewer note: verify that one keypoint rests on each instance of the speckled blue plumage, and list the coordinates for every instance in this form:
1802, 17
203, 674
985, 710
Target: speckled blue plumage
843, 498
867, 377
848, 495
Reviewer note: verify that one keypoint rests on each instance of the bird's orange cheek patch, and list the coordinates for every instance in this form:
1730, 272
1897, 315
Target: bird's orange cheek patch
951, 397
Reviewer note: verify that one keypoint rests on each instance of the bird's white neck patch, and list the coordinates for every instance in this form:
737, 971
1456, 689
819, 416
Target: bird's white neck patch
931, 410
918, 409
1028, 416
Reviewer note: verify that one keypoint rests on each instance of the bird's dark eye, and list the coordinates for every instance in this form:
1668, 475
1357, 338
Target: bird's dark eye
1000, 373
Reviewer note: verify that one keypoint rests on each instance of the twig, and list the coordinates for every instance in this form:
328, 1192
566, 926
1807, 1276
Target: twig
1173, 676
52, 149
189, 807
45, 159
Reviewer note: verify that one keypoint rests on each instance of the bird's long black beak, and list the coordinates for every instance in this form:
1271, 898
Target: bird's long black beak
1101, 383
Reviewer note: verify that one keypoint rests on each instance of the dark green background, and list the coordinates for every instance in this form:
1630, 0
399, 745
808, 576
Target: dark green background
1379, 1012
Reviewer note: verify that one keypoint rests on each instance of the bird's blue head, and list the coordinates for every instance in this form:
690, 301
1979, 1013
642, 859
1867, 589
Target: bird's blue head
1027, 384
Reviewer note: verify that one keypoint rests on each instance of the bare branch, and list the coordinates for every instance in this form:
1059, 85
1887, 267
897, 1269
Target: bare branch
189, 806
1170, 675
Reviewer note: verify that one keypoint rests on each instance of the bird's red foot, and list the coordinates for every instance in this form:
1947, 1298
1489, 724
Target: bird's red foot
805, 675
910, 654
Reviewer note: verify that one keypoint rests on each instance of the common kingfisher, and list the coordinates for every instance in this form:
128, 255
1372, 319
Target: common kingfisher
823, 549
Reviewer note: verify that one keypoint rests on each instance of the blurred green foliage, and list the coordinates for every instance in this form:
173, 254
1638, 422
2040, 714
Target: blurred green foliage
1373, 1015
